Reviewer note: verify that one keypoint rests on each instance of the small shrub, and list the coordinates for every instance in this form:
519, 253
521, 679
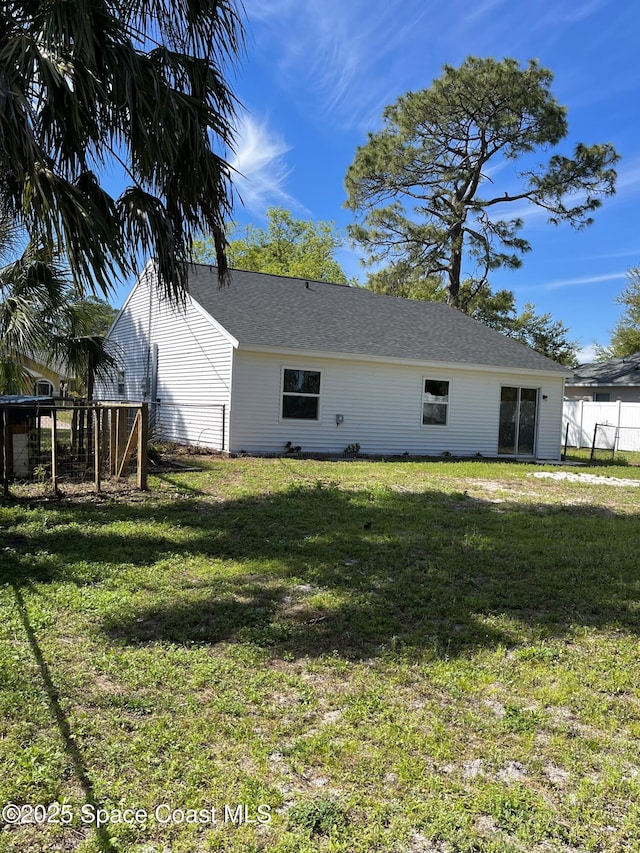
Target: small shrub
40, 474
318, 817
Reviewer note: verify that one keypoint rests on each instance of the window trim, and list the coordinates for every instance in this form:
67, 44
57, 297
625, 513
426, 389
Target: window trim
284, 393
424, 380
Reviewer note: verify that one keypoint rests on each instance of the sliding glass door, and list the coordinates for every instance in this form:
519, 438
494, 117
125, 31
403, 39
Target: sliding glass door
518, 414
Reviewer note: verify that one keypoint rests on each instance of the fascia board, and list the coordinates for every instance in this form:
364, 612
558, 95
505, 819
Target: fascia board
378, 359
146, 272
218, 326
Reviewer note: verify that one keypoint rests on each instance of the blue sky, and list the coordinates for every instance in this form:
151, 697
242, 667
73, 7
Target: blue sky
318, 73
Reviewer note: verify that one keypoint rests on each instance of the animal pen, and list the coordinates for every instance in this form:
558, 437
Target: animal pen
51, 442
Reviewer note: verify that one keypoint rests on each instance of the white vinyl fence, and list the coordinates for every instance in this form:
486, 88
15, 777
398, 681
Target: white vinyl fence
581, 417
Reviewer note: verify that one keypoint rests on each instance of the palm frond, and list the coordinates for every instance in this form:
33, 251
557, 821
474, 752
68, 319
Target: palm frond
134, 82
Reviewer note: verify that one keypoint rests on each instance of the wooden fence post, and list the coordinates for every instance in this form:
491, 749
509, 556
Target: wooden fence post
54, 449
143, 438
96, 447
123, 464
113, 440
5, 452
104, 434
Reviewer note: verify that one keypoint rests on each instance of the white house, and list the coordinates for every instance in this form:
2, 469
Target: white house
606, 381
270, 363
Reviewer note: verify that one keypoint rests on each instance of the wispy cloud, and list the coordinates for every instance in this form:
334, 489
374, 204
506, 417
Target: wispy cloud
261, 169
581, 280
347, 58
351, 59
611, 256
570, 12
629, 177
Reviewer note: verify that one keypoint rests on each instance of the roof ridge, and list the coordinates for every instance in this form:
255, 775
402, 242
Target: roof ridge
280, 275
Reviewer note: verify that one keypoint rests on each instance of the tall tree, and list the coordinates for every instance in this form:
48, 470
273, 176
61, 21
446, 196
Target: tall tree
493, 308
625, 337
92, 85
287, 246
427, 183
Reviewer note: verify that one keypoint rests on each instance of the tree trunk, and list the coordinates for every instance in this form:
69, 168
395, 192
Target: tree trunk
455, 266
456, 236
90, 424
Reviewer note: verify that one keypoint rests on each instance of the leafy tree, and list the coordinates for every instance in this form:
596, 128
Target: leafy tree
625, 338
288, 246
427, 182
401, 279
493, 308
92, 85
95, 314
542, 333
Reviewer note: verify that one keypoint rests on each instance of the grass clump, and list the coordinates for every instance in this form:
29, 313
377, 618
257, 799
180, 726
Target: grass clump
318, 817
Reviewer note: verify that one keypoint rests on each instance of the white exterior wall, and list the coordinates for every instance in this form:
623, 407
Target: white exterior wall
194, 367
382, 408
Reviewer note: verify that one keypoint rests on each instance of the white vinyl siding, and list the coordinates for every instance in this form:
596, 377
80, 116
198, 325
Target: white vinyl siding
194, 367
624, 393
380, 404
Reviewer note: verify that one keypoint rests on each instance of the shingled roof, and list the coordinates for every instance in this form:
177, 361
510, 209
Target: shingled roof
616, 371
272, 311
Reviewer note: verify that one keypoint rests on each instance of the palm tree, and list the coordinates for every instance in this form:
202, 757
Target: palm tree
88, 357
40, 314
137, 85
32, 288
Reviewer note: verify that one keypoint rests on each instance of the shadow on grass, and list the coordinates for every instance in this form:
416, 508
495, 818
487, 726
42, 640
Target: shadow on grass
80, 769
315, 570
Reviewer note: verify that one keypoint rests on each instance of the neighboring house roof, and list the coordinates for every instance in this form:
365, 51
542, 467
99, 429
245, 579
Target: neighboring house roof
617, 371
42, 362
277, 312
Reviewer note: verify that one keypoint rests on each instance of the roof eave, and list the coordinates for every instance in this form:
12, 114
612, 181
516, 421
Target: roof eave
558, 371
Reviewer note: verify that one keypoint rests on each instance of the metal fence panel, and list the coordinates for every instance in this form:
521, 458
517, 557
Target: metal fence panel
190, 424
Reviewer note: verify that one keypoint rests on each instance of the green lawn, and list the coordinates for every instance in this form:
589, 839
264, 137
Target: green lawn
289, 655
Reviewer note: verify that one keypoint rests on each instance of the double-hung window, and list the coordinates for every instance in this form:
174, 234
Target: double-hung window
301, 394
435, 402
